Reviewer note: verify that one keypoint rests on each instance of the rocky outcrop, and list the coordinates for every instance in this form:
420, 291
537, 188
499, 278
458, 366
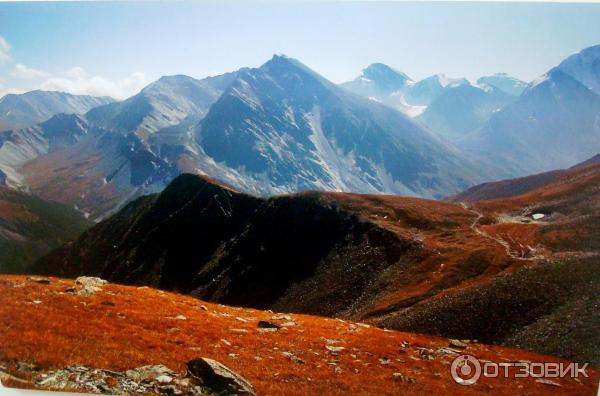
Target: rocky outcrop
90, 284
204, 377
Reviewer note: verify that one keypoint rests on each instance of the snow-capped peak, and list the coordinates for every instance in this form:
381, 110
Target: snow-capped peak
380, 71
446, 81
584, 66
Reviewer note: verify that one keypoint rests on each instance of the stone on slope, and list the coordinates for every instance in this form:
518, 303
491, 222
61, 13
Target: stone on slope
218, 377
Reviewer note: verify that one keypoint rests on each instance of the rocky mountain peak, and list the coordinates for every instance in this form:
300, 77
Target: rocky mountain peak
384, 74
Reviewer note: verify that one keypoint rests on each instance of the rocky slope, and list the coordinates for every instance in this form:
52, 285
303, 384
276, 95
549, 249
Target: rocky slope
285, 128
550, 304
31, 227
169, 343
18, 147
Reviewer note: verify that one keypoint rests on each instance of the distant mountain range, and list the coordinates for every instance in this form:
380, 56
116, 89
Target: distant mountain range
511, 127
450, 107
164, 103
277, 128
462, 109
284, 128
504, 82
553, 124
28, 109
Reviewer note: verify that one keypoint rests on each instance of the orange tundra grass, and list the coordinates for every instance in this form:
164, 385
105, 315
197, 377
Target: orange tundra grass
122, 327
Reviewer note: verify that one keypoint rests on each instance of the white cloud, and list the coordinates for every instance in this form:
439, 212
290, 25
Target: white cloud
75, 80
23, 72
78, 82
6, 91
76, 72
4, 50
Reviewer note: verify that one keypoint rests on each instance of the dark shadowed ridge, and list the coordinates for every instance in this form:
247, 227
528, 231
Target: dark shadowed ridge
402, 263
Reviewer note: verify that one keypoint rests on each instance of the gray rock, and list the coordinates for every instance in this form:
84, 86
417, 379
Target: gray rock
293, 357
334, 350
218, 378
458, 343
90, 281
156, 379
149, 373
89, 285
38, 279
164, 379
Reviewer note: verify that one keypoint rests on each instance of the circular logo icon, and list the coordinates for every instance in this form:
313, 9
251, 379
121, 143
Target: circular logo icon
465, 370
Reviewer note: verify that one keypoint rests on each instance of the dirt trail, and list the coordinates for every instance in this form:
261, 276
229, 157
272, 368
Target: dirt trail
509, 251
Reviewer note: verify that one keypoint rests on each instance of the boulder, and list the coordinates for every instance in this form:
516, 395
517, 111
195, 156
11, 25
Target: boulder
90, 281
263, 325
89, 284
458, 343
218, 378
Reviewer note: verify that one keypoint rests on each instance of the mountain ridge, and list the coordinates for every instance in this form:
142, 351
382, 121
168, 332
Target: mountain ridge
30, 108
31, 227
397, 262
304, 110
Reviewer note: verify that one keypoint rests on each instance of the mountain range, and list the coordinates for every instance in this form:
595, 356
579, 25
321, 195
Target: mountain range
512, 128
450, 107
553, 124
283, 128
504, 82
25, 110
277, 128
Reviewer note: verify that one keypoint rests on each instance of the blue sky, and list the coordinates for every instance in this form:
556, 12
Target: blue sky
115, 48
